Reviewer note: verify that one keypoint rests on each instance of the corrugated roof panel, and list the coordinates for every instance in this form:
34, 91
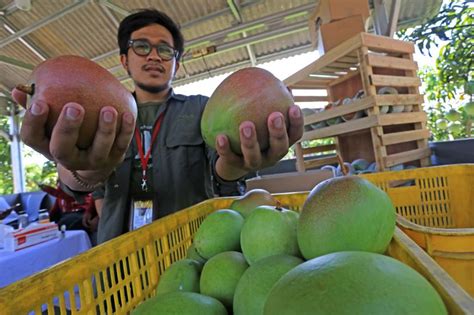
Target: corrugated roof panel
11, 76
282, 43
93, 33
39, 10
17, 50
90, 30
110, 62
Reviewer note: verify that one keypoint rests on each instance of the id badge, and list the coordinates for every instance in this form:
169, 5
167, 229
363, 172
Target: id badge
141, 214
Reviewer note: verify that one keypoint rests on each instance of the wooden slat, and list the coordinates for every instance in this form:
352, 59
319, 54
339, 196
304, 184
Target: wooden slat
342, 128
321, 75
401, 118
337, 52
355, 106
311, 83
405, 136
330, 69
391, 62
320, 162
348, 59
307, 86
333, 72
319, 149
390, 80
407, 156
310, 98
344, 77
399, 99
340, 65
386, 44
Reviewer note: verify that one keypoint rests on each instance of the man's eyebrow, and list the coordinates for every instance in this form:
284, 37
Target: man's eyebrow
161, 41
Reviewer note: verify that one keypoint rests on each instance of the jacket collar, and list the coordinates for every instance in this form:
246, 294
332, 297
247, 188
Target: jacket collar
171, 95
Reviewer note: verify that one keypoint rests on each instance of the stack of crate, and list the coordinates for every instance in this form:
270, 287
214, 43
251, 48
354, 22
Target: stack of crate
364, 65
334, 21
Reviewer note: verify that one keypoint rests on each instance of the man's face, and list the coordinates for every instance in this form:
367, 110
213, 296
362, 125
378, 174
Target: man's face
151, 73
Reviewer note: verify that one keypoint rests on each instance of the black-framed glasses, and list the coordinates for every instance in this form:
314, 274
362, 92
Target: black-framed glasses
142, 47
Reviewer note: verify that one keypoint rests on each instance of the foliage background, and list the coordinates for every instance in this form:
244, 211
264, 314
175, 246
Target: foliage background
445, 85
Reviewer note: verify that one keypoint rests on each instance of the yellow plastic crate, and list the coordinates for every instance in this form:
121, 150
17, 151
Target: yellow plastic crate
436, 209
116, 276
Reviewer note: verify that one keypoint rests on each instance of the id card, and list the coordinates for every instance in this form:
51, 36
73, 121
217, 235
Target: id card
141, 214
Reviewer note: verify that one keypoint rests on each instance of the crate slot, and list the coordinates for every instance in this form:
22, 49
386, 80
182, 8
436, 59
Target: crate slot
391, 62
404, 136
407, 156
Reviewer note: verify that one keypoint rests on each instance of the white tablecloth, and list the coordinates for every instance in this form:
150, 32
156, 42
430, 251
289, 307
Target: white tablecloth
25, 262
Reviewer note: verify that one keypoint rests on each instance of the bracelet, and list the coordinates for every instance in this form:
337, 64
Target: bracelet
83, 183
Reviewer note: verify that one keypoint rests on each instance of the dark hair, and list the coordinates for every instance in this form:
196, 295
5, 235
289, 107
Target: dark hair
144, 18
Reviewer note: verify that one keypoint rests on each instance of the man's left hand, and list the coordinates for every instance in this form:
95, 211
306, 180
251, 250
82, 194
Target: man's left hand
230, 166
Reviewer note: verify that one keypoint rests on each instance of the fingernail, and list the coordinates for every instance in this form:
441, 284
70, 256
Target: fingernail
278, 122
36, 109
128, 118
296, 112
108, 116
247, 132
72, 113
220, 141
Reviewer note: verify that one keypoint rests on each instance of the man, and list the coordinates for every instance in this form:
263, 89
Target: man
179, 170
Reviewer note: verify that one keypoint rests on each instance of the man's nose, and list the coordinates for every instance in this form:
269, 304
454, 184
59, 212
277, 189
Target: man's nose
154, 55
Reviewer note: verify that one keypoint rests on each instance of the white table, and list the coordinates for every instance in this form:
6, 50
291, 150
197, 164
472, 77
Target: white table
17, 265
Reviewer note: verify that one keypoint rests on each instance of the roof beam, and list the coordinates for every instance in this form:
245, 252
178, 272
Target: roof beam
224, 32
218, 13
235, 9
8, 9
380, 17
28, 44
114, 7
15, 63
261, 37
393, 20
109, 15
244, 26
245, 63
44, 21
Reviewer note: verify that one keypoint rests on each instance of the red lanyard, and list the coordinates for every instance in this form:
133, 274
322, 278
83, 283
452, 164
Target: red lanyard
145, 157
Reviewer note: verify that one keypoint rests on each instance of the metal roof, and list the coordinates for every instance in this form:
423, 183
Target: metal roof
243, 33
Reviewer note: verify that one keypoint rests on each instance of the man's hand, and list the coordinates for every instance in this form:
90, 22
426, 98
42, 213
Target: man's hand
230, 166
107, 150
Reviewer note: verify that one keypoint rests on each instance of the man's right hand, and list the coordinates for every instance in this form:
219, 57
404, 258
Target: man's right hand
107, 150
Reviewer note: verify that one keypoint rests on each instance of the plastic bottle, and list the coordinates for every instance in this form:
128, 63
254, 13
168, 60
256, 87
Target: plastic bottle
43, 216
23, 219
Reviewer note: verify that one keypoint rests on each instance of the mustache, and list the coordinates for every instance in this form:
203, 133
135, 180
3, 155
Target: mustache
149, 66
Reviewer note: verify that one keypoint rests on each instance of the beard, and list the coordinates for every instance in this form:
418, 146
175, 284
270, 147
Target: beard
154, 89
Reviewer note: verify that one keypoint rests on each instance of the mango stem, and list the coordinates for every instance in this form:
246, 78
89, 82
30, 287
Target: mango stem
25, 88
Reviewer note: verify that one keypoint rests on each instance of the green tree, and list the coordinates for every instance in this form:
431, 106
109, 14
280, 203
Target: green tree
34, 173
453, 28
446, 86
6, 179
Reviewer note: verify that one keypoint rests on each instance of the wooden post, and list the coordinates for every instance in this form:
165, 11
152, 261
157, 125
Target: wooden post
423, 143
366, 72
299, 157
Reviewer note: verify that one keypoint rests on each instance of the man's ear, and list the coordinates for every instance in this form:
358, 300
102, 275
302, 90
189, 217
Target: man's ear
124, 61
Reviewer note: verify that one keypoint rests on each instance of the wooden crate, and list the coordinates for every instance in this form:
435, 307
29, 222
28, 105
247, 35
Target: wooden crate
365, 63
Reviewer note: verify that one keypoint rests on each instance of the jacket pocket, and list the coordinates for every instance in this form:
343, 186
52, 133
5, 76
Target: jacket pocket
187, 150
